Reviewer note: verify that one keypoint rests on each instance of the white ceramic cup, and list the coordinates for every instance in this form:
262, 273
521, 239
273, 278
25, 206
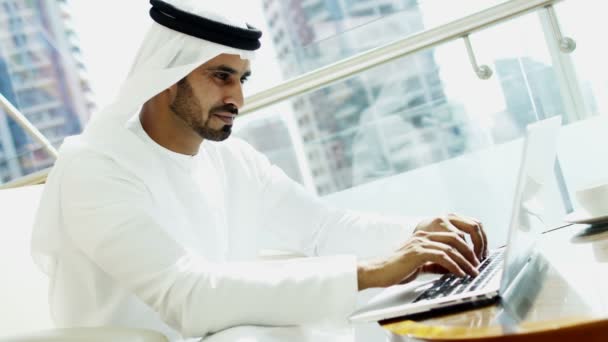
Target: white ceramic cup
594, 199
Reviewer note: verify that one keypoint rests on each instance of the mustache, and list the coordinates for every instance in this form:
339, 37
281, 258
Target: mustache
230, 108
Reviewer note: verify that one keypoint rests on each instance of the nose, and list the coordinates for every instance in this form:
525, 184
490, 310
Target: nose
235, 96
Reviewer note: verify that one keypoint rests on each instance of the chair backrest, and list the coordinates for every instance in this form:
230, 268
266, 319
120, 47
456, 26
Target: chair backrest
23, 288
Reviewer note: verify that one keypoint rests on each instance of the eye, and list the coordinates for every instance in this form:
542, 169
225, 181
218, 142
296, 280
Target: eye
244, 79
224, 76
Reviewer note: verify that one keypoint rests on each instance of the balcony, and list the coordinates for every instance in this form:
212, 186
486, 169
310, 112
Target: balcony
12, 50
51, 104
20, 67
5, 35
51, 122
24, 13
42, 82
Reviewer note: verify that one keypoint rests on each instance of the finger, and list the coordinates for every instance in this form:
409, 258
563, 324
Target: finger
439, 257
483, 234
452, 229
454, 240
433, 268
454, 255
485, 241
475, 232
467, 217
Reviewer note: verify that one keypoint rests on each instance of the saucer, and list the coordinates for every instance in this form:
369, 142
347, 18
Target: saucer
582, 216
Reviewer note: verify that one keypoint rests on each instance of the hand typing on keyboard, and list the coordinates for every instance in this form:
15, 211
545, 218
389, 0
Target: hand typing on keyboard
462, 226
437, 245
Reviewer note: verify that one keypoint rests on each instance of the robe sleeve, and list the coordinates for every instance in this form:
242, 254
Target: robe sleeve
297, 221
108, 214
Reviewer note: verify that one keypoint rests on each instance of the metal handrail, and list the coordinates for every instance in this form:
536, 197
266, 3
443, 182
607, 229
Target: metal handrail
349, 66
403, 47
27, 126
34, 178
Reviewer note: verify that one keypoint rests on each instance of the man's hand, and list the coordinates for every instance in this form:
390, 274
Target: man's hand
438, 245
462, 226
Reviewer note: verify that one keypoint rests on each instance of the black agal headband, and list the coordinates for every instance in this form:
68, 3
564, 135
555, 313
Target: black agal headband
187, 23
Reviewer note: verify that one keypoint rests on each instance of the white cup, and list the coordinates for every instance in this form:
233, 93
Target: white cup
594, 199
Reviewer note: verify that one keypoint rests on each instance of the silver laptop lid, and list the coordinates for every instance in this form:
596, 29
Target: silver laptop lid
527, 223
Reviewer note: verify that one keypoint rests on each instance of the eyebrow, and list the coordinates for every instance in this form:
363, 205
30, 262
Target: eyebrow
230, 70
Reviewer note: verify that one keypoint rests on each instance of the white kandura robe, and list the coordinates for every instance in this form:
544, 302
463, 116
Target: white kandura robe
140, 236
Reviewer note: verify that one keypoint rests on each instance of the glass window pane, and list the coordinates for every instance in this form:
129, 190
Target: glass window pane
310, 34
427, 118
16, 166
421, 114
41, 75
585, 22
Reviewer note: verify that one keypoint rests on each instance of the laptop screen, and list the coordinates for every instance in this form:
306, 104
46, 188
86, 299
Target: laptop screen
527, 221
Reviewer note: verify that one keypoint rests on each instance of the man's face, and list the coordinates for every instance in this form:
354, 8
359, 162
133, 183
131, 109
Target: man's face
209, 98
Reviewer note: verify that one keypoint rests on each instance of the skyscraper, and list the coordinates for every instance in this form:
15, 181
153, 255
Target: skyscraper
531, 91
389, 119
271, 135
42, 74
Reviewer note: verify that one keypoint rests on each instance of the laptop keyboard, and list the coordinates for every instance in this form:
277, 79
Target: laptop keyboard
450, 284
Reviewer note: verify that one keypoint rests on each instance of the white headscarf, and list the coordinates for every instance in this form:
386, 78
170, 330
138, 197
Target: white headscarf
165, 57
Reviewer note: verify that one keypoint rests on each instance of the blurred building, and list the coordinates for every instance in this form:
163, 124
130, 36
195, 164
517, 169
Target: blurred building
271, 135
42, 74
387, 120
531, 92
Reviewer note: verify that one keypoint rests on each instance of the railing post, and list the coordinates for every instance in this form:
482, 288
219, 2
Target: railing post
569, 85
560, 48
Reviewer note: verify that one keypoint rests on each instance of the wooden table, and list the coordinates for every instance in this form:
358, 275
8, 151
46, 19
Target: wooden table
567, 299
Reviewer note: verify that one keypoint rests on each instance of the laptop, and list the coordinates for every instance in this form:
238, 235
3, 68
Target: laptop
500, 271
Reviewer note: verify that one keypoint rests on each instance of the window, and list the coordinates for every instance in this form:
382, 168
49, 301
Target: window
413, 84
19, 40
415, 112
386, 9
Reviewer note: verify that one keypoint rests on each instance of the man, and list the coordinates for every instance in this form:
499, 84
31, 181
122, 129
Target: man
153, 218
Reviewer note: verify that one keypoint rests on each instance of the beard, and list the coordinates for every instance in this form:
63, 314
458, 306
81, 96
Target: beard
188, 108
